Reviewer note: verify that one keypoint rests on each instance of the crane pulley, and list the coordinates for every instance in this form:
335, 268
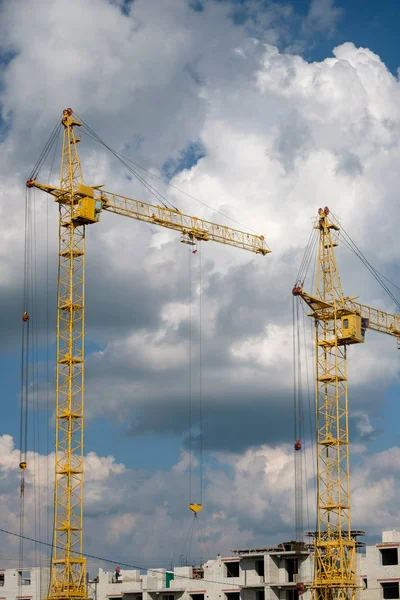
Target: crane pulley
81, 205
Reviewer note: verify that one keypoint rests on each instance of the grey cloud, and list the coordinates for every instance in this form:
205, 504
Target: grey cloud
293, 141
140, 94
349, 164
323, 15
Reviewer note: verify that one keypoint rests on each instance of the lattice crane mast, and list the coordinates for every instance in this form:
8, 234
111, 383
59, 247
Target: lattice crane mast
339, 322
81, 205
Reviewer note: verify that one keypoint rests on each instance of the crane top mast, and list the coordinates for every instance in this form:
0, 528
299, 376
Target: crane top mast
327, 270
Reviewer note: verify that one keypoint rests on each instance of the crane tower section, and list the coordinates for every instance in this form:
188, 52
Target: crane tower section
68, 577
81, 205
334, 576
335, 549
339, 322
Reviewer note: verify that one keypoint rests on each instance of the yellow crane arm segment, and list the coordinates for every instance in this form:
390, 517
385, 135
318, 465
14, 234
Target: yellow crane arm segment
375, 319
192, 228
378, 320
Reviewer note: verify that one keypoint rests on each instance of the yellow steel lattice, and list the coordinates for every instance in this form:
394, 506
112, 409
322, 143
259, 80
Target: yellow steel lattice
81, 205
68, 572
339, 321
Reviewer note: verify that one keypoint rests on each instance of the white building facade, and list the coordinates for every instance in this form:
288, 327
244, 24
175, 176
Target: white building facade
380, 570
26, 584
251, 574
275, 573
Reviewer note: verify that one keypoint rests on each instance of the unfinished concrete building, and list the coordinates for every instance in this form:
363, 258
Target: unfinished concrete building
270, 573
380, 569
25, 584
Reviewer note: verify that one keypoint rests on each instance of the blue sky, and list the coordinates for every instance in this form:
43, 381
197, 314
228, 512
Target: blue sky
369, 24
361, 22
222, 136
364, 22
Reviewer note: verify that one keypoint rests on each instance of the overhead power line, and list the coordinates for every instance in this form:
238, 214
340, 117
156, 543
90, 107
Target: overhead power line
111, 561
122, 158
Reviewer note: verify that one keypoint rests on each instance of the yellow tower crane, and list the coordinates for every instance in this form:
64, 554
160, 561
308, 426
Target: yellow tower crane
81, 205
339, 322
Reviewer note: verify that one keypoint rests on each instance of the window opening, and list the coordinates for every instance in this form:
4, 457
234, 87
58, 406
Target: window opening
390, 590
292, 595
260, 567
232, 569
389, 556
292, 568
24, 577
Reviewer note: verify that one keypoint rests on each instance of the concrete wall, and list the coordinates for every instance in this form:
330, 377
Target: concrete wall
215, 583
377, 573
33, 586
276, 585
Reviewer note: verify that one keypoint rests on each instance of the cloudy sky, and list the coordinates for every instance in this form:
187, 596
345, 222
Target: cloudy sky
257, 111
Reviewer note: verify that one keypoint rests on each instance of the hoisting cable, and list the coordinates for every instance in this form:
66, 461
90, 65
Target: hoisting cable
307, 261
122, 158
30, 362
46, 150
349, 244
298, 423
190, 376
34, 380
48, 410
386, 279
215, 210
352, 246
307, 258
311, 422
201, 432
86, 129
299, 342
24, 383
197, 506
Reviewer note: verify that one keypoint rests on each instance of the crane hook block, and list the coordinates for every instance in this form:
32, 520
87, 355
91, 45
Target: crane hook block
195, 508
22, 466
297, 445
25, 316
